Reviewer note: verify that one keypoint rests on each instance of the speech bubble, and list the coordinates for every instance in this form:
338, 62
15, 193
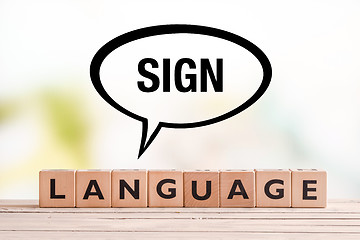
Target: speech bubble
146, 138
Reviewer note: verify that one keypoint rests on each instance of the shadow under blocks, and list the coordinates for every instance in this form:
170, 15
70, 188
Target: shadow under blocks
136, 188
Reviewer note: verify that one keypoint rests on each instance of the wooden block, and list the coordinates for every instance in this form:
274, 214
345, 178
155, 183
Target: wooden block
57, 188
129, 188
165, 188
273, 188
308, 187
237, 188
93, 188
201, 189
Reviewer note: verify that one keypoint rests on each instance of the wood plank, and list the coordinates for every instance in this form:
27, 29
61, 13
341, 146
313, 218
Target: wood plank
174, 235
24, 219
335, 206
200, 215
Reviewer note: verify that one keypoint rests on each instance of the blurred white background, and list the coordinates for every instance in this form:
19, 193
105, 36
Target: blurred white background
52, 117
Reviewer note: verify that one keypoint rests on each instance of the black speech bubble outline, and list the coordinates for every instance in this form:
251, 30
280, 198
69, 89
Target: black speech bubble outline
123, 39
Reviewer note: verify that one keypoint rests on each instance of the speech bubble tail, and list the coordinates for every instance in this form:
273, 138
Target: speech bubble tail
149, 131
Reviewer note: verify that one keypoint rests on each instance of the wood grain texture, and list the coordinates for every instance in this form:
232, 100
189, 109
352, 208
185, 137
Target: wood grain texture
308, 188
93, 188
273, 187
169, 184
201, 188
237, 188
57, 188
23, 219
136, 180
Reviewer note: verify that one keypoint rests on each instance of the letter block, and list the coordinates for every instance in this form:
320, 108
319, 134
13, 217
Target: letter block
165, 188
57, 188
201, 189
129, 188
93, 188
273, 188
308, 188
237, 188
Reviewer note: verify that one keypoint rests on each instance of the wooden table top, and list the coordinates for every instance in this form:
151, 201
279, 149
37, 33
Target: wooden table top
24, 219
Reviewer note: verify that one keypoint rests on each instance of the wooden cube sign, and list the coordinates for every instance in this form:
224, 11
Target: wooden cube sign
308, 188
173, 188
237, 188
201, 189
129, 188
93, 188
165, 188
57, 188
273, 188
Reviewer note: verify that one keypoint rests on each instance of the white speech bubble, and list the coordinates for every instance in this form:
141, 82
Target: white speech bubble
246, 74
